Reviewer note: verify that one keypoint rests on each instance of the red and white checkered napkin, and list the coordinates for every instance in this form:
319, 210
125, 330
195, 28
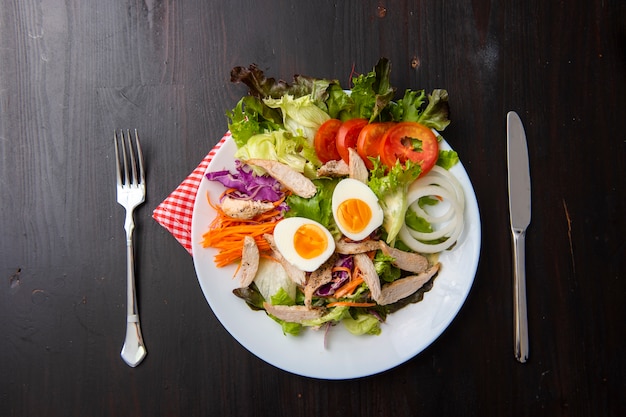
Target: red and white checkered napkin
175, 212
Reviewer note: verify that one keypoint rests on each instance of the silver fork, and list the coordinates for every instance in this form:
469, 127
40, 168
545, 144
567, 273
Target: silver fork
131, 192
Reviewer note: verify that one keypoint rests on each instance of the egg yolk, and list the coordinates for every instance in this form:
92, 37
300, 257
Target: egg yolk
309, 241
354, 215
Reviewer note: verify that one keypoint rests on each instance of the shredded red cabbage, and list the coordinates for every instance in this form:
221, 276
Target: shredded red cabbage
339, 277
248, 184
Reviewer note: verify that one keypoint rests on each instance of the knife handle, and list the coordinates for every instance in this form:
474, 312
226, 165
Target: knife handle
520, 318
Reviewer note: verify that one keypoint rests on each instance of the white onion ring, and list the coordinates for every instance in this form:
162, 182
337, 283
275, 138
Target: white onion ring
431, 190
442, 184
438, 174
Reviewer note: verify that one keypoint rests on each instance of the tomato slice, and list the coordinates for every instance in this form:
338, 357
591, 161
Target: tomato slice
347, 136
369, 139
325, 141
410, 141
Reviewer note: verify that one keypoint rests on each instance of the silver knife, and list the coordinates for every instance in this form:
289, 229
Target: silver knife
519, 209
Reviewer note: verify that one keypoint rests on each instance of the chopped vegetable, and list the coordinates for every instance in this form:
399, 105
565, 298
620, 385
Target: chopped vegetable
447, 159
349, 304
325, 140
301, 117
348, 288
251, 117
448, 219
391, 189
227, 234
318, 207
409, 141
362, 324
274, 284
248, 184
371, 93
435, 115
281, 146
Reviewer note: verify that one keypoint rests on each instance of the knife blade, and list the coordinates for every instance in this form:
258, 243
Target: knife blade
519, 210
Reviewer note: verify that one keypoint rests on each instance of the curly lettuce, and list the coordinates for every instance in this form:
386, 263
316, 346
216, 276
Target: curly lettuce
301, 117
391, 188
416, 106
281, 146
318, 207
251, 117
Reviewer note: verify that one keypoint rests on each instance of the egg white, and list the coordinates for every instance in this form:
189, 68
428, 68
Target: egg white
284, 235
350, 188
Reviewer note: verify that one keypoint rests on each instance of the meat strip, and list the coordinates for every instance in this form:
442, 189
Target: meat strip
366, 266
334, 169
404, 287
358, 170
244, 209
350, 248
322, 275
249, 261
287, 176
407, 261
293, 314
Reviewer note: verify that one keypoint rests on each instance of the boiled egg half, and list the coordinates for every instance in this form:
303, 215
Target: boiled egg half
304, 243
356, 209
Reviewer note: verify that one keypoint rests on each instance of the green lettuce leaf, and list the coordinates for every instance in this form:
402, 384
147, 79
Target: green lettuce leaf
251, 117
384, 267
318, 207
301, 116
362, 324
436, 113
288, 327
391, 188
371, 93
410, 108
447, 159
293, 329
335, 314
280, 145
417, 223
338, 104
407, 109
282, 298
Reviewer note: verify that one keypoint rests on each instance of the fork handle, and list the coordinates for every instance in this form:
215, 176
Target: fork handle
134, 349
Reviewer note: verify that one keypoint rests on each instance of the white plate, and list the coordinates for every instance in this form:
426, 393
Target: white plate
404, 334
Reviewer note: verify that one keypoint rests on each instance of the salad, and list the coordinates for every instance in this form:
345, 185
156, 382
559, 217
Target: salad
340, 201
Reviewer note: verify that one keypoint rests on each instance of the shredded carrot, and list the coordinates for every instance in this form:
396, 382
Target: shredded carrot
227, 191
343, 269
268, 257
348, 288
237, 270
349, 304
227, 234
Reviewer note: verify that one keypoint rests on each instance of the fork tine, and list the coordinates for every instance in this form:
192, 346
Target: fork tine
142, 175
126, 178
132, 161
117, 159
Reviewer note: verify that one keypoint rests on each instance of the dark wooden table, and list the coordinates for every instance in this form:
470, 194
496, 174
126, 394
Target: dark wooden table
71, 72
